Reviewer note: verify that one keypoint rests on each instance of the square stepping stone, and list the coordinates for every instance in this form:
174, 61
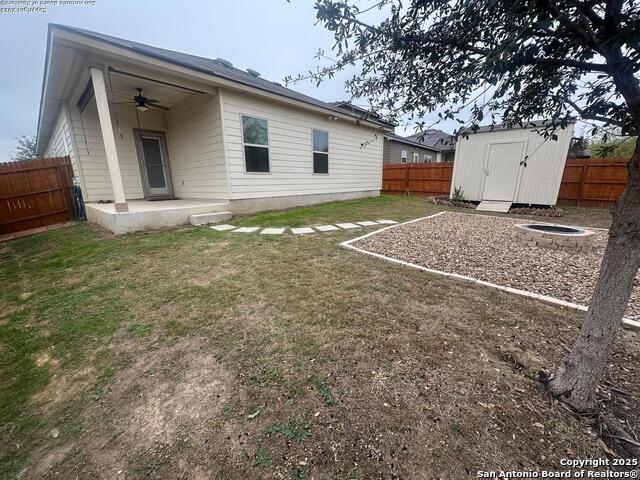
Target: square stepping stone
302, 230
326, 228
272, 231
367, 223
387, 222
348, 226
222, 228
246, 229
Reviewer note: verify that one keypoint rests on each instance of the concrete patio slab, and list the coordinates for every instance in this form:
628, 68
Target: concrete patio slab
222, 228
148, 215
326, 228
302, 230
246, 229
387, 222
367, 223
273, 231
348, 226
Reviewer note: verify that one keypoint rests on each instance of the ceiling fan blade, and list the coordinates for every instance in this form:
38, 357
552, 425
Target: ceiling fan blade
124, 103
150, 100
153, 105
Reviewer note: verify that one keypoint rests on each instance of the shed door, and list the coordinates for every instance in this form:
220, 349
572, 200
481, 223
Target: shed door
503, 166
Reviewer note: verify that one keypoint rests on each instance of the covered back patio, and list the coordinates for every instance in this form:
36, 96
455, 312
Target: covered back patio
151, 149
146, 145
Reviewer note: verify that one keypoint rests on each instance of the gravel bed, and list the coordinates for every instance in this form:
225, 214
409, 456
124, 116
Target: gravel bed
483, 247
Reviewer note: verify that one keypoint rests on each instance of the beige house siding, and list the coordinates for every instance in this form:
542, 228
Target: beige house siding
196, 149
352, 167
196, 145
60, 144
91, 154
393, 152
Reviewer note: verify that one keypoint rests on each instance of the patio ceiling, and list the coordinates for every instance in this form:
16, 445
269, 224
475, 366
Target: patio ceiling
124, 87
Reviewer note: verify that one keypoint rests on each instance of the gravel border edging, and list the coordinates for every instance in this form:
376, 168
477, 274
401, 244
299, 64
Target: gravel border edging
628, 323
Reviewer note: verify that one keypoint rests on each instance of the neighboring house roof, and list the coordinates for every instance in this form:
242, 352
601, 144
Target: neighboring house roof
359, 111
408, 141
434, 138
218, 68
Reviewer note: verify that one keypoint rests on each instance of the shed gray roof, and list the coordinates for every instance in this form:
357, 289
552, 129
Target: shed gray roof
211, 67
434, 138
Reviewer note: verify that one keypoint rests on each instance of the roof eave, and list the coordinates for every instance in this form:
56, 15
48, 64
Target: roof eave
45, 76
329, 110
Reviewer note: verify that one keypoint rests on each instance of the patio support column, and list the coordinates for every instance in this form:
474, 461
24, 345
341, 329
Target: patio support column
100, 92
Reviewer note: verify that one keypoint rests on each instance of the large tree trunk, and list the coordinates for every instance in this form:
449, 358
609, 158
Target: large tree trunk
577, 378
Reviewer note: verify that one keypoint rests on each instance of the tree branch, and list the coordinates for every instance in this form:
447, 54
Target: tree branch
571, 26
597, 118
566, 62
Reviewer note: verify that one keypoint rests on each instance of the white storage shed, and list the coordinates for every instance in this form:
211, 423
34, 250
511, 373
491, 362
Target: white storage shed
488, 166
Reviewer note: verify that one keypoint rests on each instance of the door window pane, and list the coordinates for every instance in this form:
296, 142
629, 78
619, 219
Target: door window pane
155, 175
254, 131
152, 151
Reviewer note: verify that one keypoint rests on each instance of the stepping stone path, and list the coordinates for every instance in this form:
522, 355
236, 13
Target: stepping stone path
272, 231
299, 231
302, 230
326, 228
222, 228
348, 226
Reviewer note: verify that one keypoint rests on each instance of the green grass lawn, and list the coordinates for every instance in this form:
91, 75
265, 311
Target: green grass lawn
190, 353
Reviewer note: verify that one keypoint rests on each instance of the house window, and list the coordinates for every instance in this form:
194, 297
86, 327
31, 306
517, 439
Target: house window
255, 137
320, 151
403, 156
416, 158
428, 158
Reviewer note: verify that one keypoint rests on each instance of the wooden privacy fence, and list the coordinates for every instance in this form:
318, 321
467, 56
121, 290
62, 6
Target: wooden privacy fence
35, 193
423, 178
595, 183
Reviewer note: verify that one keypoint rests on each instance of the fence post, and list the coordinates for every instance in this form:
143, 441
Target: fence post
583, 176
406, 178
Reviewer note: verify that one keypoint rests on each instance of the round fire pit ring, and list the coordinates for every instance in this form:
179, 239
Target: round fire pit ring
555, 237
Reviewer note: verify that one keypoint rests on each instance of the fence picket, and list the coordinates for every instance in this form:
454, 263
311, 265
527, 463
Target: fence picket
35, 193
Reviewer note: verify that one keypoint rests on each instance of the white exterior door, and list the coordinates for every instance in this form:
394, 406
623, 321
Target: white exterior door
154, 165
503, 167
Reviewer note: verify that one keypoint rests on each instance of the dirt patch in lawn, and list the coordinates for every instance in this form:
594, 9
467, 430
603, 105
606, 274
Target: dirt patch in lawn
162, 407
484, 247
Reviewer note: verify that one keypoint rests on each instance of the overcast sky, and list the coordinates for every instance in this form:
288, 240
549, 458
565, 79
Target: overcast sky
272, 36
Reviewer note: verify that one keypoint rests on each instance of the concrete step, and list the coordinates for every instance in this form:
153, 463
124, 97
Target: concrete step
494, 206
205, 218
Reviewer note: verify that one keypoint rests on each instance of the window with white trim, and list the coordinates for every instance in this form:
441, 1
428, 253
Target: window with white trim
320, 151
403, 156
255, 139
416, 158
428, 158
